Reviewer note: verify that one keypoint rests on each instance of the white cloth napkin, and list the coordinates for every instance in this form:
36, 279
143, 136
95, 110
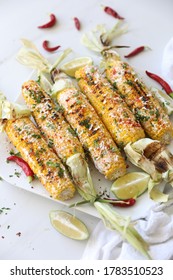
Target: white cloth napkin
156, 228
167, 62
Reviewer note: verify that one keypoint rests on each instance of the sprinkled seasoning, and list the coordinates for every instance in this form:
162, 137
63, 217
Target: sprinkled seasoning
108, 104
140, 100
50, 119
55, 180
91, 132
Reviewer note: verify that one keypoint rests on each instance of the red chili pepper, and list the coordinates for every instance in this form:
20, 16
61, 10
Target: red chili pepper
50, 23
136, 51
162, 82
120, 203
77, 23
24, 165
47, 48
112, 12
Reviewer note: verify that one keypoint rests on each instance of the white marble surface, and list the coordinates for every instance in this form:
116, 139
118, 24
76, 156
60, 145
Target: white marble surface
150, 23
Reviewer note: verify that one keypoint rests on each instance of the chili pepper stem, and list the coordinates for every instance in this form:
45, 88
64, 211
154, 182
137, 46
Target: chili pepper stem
171, 95
30, 179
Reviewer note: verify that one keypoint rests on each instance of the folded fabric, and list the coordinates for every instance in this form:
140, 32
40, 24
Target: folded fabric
167, 62
156, 229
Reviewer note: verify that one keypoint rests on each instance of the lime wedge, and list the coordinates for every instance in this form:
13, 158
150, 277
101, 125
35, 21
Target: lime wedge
72, 66
68, 225
131, 185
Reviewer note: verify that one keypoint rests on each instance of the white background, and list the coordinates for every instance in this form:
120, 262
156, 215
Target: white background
149, 22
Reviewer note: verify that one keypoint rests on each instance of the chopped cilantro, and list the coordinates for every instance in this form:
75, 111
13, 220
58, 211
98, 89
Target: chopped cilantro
50, 125
124, 65
113, 149
140, 117
96, 142
60, 172
12, 153
43, 117
59, 108
115, 85
4, 209
52, 164
17, 174
37, 136
50, 143
78, 102
56, 165
73, 132
129, 82
86, 123
157, 113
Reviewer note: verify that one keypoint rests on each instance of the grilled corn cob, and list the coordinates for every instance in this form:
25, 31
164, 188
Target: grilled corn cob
59, 135
111, 108
48, 116
92, 133
42, 160
140, 100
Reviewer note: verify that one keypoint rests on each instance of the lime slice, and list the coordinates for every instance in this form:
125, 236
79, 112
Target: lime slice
131, 185
72, 66
68, 225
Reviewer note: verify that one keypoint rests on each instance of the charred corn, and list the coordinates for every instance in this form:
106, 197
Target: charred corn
140, 100
42, 160
92, 133
48, 116
110, 107
60, 136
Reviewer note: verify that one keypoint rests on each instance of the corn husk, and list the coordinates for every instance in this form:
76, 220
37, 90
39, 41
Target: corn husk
100, 38
82, 177
30, 56
156, 160
115, 221
9, 110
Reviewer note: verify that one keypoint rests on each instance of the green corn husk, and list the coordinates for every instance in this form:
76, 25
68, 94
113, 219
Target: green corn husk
114, 221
